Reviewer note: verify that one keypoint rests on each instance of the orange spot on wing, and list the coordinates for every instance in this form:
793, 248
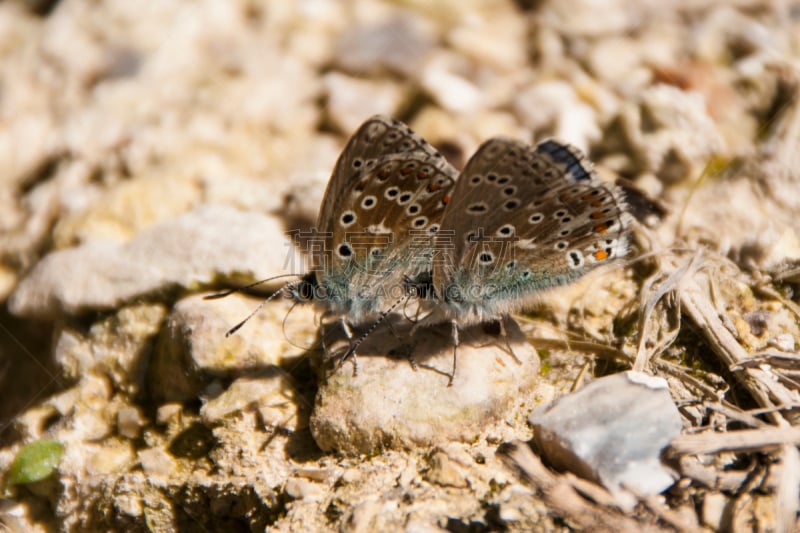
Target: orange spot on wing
433, 187
600, 228
422, 175
405, 171
597, 214
446, 199
597, 203
600, 255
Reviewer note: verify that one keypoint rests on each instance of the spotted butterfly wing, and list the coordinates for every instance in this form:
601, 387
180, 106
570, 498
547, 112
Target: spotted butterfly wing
523, 219
388, 190
378, 137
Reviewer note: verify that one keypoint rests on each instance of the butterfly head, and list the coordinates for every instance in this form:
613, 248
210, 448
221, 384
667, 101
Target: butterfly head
305, 290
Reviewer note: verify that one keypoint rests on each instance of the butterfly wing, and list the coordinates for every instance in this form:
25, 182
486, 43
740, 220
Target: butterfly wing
387, 193
376, 138
527, 218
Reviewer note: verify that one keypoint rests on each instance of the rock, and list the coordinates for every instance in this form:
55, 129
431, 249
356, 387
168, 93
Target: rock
272, 394
714, 505
300, 489
351, 475
351, 100
169, 413
156, 462
497, 42
444, 78
592, 18
109, 458
553, 108
618, 60
116, 346
82, 412
390, 405
130, 421
671, 132
398, 43
445, 472
194, 350
196, 248
126, 209
612, 431
362, 517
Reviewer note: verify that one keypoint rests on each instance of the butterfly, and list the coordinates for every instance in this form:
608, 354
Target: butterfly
521, 220
384, 200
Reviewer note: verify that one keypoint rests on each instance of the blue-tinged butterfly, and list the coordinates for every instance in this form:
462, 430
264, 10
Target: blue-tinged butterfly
522, 219
384, 200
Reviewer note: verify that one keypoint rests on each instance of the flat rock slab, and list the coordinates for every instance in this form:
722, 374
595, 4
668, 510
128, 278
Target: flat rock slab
612, 431
196, 248
388, 404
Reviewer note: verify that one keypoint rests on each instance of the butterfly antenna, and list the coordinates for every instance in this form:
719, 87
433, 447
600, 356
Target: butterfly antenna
223, 294
283, 326
264, 302
354, 346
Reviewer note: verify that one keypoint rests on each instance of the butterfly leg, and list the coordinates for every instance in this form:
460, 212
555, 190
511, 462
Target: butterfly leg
411, 360
324, 323
351, 352
410, 348
455, 350
502, 322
